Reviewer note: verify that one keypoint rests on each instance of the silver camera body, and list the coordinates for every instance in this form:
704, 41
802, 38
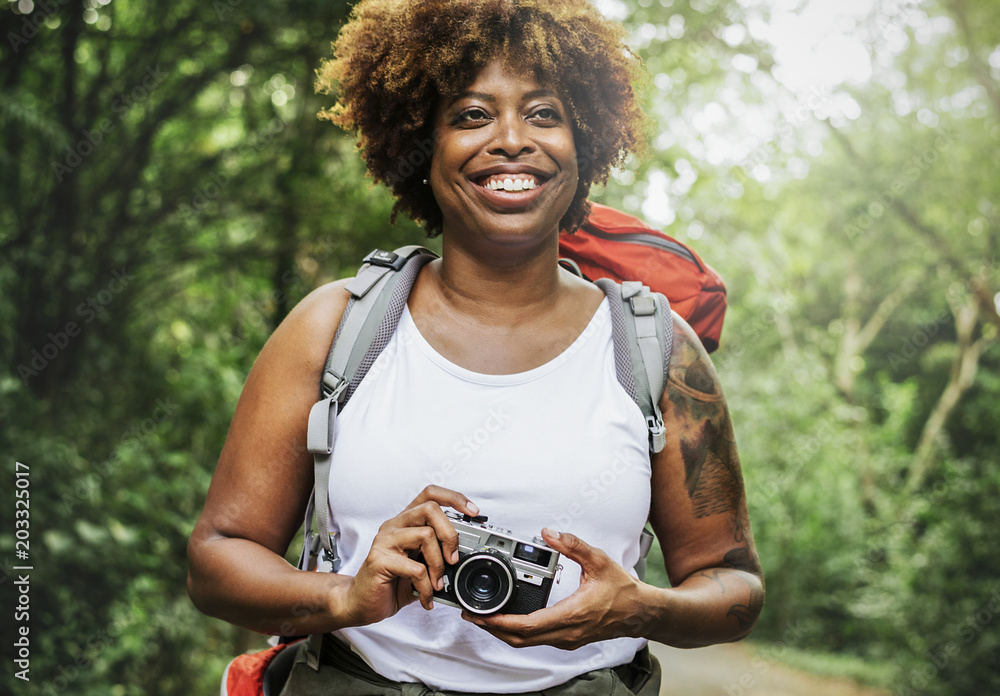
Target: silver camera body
497, 573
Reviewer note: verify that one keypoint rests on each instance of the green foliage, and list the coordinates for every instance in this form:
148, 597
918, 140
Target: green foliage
168, 194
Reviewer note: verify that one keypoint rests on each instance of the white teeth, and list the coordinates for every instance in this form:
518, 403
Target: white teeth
509, 184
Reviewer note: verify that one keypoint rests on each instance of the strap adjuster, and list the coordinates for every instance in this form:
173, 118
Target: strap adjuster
657, 433
386, 259
643, 305
334, 385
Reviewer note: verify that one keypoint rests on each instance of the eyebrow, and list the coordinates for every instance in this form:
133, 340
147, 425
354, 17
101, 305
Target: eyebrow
534, 94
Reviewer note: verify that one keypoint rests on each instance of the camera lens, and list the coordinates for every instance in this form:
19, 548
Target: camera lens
484, 585
484, 582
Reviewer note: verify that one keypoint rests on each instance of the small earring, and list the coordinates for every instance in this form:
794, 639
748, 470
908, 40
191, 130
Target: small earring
425, 182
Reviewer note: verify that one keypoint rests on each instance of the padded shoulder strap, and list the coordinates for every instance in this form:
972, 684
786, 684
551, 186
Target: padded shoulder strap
378, 295
643, 331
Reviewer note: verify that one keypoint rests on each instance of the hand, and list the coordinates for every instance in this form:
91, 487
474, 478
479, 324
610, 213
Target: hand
607, 604
384, 583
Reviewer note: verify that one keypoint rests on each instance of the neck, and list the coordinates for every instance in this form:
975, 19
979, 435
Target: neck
499, 287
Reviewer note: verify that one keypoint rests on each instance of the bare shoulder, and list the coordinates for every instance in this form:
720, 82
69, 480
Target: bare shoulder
309, 328
264, 473
691, 371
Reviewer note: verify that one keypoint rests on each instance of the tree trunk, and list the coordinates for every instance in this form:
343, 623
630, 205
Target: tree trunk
963, 374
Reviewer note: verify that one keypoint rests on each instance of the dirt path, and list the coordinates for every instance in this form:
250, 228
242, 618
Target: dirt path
733, 670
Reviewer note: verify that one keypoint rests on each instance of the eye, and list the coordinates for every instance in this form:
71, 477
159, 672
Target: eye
546, 113
472, 116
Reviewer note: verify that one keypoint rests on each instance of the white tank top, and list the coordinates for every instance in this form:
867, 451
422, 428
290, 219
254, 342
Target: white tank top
560, 446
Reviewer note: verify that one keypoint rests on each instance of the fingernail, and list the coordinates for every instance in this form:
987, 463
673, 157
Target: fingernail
473, 509
454, 557
552, 533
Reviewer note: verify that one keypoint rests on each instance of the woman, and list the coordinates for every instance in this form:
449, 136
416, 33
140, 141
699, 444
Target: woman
521, 106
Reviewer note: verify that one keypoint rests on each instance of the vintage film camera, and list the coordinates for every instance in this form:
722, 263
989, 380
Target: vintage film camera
496, 572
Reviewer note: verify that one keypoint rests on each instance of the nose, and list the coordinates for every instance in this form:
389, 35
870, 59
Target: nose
511, 137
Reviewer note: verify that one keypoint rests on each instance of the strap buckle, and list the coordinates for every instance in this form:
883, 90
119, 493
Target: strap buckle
643, 305
334, 385
386, 259
657, 433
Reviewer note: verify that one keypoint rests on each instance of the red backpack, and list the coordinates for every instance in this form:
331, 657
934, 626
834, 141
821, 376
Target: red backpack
612, 244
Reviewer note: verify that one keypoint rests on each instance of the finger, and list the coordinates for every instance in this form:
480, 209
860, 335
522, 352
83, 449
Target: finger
415, 573
404, 594
590, 558
404, 570
429, 515
417, 539
559, 638
520, 624
447, 498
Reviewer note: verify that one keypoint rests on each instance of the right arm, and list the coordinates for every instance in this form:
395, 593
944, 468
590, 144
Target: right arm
258, 495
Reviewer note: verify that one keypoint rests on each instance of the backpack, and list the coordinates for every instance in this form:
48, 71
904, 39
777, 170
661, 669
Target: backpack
612, 244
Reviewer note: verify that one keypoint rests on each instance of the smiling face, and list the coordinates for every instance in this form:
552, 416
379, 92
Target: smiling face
504, 167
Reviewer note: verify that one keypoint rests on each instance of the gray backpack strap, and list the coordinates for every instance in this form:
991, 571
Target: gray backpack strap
645, 544
643, 331
378, 295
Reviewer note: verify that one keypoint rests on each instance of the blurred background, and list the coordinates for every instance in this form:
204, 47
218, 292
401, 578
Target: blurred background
167, 194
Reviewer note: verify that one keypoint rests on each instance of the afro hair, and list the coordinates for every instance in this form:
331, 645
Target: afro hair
396, 60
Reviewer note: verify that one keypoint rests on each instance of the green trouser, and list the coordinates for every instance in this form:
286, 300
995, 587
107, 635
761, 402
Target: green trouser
344, 673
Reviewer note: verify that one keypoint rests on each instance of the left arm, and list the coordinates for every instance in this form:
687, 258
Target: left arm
698, 511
